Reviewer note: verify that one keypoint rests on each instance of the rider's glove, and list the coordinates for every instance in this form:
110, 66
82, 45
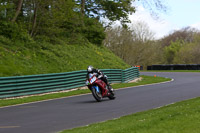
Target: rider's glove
87, 82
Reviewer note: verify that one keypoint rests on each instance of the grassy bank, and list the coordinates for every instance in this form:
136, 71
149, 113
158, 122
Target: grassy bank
53, 56
145, 80
182, 117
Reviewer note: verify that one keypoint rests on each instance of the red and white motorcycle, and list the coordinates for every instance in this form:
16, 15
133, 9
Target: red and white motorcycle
99, 88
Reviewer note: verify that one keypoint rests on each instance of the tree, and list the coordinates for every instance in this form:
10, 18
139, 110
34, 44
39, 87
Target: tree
50, 17
141, 32
189, 53
19, 6
112, 10
7, 9
171, 51
34, 18
155, 7
186, 34
134, 45
83, 7
74, 20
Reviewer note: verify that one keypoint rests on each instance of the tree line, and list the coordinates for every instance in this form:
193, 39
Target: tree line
136, 45
76, 20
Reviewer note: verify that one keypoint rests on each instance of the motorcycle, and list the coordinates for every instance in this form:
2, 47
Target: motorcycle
99, 88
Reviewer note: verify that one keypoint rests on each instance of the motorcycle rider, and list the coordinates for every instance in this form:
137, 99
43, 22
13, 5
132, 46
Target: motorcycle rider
100, 75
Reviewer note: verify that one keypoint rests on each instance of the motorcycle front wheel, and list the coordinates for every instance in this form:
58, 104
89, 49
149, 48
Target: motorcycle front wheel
97, 95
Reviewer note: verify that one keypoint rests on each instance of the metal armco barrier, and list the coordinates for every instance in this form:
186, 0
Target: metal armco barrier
130, 74
37, 84
175, 67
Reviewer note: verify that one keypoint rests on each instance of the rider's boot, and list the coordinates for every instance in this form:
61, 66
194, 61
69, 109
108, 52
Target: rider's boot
109, 87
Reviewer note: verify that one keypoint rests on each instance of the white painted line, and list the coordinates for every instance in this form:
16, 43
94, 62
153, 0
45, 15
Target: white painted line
3, 127
44, 100
147, 85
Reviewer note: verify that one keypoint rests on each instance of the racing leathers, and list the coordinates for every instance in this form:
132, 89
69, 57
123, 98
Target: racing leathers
100, 75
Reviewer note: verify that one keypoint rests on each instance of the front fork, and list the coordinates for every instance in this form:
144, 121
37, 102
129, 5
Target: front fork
103, 92
97, 88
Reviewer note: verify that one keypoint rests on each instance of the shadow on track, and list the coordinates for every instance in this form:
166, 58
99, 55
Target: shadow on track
93, 101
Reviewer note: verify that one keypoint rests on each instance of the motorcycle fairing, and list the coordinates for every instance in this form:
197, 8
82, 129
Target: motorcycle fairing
102, 86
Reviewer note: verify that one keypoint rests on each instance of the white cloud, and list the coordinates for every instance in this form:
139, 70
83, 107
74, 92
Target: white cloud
159, 27
196, 25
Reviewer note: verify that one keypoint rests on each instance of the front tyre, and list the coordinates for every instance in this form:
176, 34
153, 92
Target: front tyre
97, 95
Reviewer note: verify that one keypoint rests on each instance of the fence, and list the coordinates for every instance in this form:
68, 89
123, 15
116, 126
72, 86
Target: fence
36, 84
175, 67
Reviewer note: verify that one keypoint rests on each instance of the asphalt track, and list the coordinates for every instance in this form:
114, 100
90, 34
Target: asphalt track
56, 115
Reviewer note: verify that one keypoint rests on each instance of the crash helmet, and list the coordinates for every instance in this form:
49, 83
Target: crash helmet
90, 68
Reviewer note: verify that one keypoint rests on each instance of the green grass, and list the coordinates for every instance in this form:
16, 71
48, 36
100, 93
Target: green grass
146, 80
182, 117
41, 57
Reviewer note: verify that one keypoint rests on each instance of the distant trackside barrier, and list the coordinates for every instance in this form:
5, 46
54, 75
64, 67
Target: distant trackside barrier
175, 67
43, 83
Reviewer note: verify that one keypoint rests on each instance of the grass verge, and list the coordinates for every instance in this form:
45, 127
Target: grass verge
182, 117
145, 80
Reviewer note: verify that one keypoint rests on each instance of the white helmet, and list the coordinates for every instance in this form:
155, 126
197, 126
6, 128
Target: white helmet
90, 68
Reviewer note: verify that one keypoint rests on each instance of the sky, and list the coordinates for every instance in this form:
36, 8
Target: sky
180, 14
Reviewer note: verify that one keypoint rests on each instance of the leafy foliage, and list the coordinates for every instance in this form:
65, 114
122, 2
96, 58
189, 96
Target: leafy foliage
186, 34
182, 47
189, 54
172, 50
61, 18
110, 9
13, 31
134, 45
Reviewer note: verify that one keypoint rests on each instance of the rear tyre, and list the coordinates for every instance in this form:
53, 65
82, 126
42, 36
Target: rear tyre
97, 95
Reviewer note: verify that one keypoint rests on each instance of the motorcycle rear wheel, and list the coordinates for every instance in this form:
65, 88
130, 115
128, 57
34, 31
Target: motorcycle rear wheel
112, 94
97, 95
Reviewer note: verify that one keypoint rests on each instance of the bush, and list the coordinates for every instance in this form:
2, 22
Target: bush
13, 31
94, 31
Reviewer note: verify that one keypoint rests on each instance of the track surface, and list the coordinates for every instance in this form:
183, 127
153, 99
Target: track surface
56, 115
